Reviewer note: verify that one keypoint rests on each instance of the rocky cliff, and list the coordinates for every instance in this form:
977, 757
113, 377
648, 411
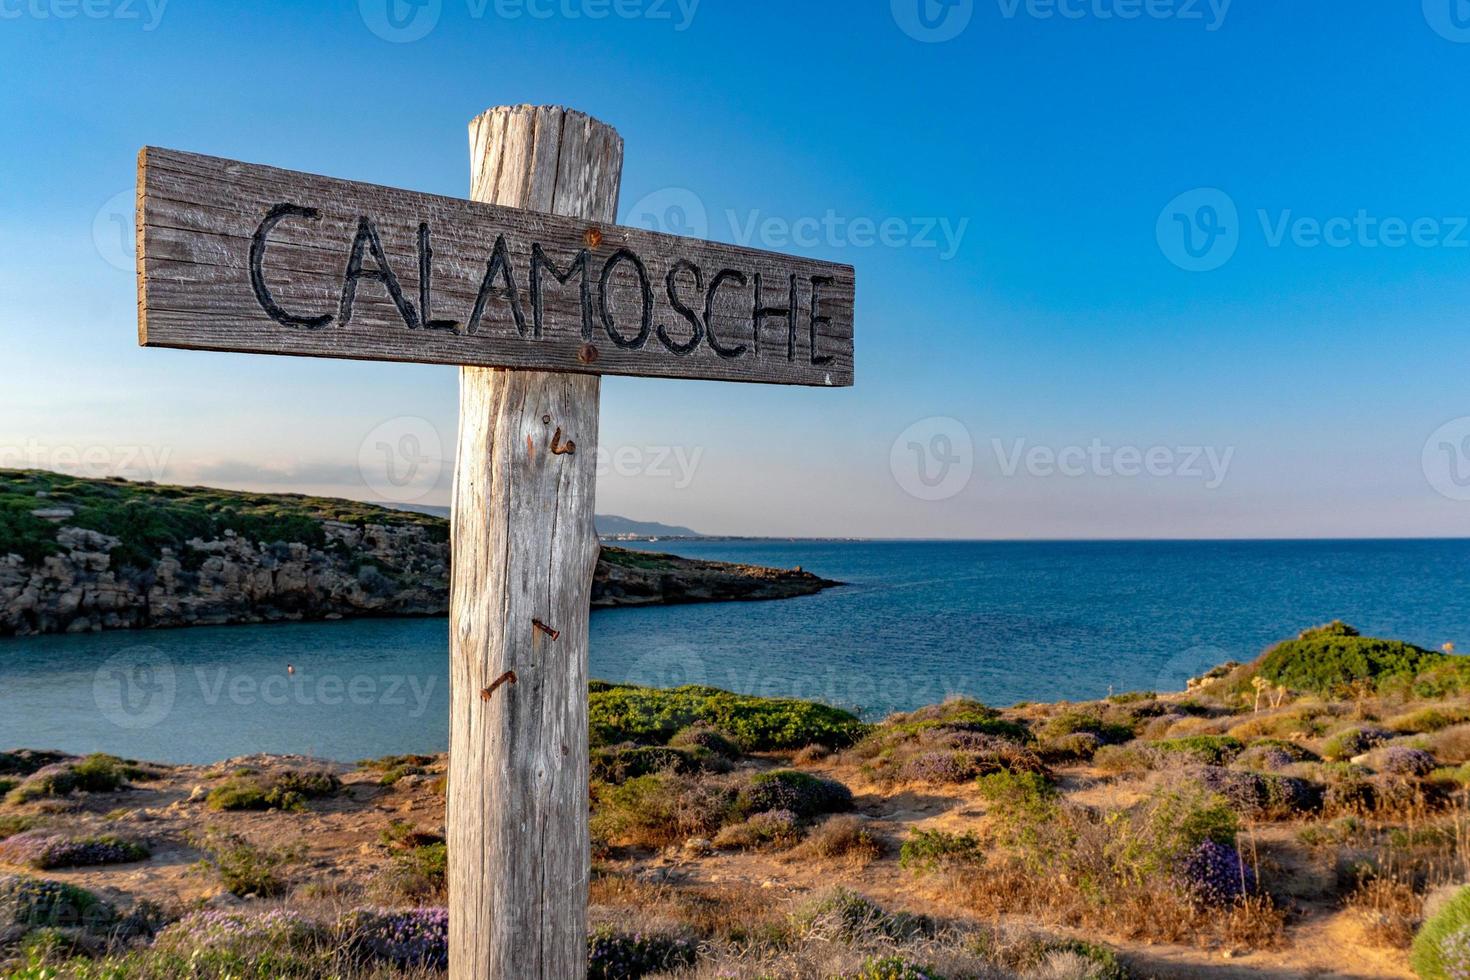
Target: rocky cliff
78, 556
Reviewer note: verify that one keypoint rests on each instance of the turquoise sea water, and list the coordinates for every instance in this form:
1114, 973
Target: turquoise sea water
1003, 622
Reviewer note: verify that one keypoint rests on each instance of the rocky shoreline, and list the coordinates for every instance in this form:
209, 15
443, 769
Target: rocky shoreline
84, 579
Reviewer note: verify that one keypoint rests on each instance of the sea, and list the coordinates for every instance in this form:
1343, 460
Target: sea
913, 623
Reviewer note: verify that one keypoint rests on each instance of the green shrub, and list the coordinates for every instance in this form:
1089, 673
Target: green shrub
955, 714
788, 789
929, 850
661, 808
767, 829
15, 823
1350, 742
1426, 720
1169, 823
1090, 722
613, 955
1131, 757
427, 866
849, 916
1333, 659
243, 868
622, 762
701, 737
275, 791
96, 773
1076, 747
890, 968
1441, 950
1023, 790
1212, 750
392, 768
623, 713
33, 903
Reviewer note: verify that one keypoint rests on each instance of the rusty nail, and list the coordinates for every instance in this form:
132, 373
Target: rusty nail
588, 354
546, 420
593, 236
509, 677
545, 629
559, 450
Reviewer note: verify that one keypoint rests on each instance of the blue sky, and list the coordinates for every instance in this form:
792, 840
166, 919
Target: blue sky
1038, 355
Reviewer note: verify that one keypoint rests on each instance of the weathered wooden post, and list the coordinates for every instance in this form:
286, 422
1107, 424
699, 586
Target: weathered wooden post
547, 295
524, 552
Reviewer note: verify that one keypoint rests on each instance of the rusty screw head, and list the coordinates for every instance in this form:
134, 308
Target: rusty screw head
588, 354
593, 236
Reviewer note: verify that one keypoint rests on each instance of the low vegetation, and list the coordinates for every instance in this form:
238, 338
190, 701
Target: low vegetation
622, 713
1321, 790
280, 790
147, 517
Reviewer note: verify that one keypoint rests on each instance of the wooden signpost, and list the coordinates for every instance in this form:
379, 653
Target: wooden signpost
535, 293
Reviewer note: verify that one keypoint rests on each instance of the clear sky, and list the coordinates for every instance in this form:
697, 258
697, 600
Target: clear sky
1126, 268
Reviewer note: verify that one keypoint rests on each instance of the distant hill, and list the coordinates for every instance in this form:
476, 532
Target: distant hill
608, 525
80, 555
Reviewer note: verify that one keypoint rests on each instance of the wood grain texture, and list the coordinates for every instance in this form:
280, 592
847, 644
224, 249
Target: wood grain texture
199, 217
524, 553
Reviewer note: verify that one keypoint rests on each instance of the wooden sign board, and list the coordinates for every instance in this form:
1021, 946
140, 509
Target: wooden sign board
239, 257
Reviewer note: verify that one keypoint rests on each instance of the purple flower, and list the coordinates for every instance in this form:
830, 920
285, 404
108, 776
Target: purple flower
1215, 874
42, 850
1400, 760
406, 937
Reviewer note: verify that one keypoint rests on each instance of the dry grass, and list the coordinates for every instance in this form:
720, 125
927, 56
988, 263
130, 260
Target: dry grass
846, 837
1389, 909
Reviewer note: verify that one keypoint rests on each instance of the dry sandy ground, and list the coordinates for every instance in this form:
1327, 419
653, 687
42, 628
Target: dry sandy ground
340, 837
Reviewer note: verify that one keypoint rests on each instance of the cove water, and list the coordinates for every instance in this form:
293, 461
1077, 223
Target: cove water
1002, 622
